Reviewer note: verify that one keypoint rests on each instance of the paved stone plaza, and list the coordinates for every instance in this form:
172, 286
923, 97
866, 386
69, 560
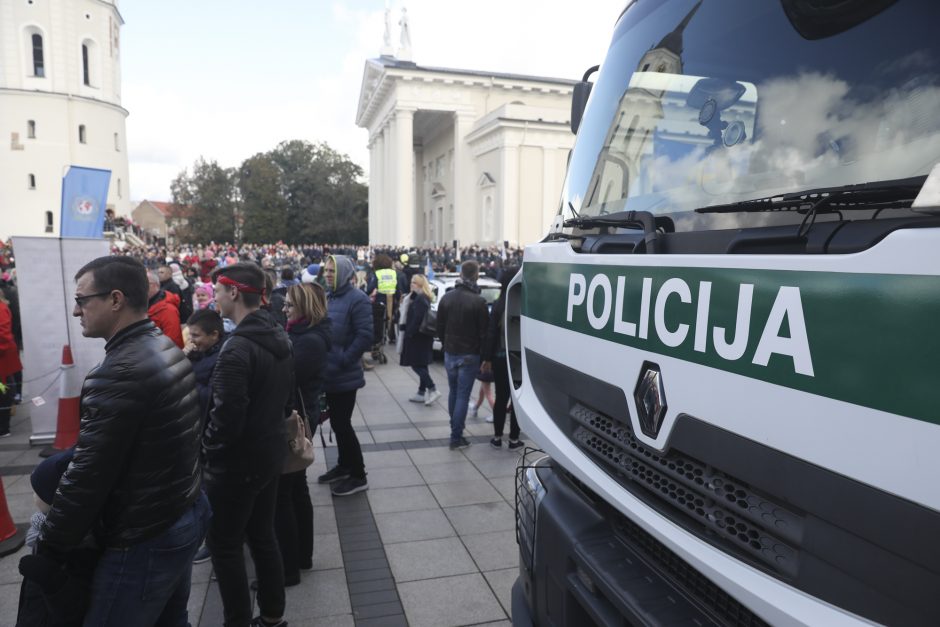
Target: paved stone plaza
431, 543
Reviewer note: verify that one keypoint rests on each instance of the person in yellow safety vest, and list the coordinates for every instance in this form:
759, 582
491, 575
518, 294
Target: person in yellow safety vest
384, 290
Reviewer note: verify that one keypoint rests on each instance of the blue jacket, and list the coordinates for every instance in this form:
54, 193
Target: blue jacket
350, 311
203, 365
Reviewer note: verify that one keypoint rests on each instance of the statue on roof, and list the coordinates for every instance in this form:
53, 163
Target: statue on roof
404, 48
387, 50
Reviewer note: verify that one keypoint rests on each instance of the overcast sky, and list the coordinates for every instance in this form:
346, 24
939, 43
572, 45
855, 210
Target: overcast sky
227, 79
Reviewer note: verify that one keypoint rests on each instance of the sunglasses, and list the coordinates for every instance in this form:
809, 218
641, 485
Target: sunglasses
81, 300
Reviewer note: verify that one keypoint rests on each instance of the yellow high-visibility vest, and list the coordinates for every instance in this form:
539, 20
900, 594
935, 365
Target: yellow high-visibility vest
388, 281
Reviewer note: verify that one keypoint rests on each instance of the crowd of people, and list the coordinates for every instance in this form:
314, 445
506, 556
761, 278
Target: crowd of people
266, 331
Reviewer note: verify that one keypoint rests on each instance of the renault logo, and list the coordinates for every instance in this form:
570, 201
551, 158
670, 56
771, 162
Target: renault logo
650, 397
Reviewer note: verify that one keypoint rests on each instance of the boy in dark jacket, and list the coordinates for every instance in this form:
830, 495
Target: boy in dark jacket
244, 446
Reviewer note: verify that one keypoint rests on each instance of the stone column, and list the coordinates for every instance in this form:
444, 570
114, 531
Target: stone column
509, 194
404, 161
389, 209
465, 216
377, 203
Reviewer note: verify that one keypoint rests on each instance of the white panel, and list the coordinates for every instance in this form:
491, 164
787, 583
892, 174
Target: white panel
45, 268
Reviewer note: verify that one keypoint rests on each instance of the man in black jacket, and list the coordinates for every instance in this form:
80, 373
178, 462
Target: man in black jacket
134, 480
244, 446
462, 318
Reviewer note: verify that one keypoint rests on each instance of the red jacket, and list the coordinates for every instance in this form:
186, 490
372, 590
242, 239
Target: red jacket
9, 353
165, 313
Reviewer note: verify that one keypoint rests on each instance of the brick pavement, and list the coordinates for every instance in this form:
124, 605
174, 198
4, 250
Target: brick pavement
431, 543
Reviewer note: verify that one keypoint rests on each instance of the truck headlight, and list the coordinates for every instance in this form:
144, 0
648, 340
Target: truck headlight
529, 494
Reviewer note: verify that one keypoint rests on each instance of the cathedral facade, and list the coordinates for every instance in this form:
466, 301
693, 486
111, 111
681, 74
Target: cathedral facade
465, 155
60, 105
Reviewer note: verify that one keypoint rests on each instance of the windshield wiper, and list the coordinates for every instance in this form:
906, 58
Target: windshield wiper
644, 220
899, 193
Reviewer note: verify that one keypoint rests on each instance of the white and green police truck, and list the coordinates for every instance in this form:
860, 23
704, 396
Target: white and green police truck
728, 345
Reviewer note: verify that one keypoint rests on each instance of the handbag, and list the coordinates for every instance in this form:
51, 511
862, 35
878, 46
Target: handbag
428, 323
300, 452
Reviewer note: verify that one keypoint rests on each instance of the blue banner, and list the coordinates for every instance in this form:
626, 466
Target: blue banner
84, 196
429, 270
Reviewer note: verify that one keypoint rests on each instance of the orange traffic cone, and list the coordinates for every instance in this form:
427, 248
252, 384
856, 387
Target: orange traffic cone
66, 431
12, 536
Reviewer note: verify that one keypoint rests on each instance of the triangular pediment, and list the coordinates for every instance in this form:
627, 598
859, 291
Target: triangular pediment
372, 76
486, 180
438, 190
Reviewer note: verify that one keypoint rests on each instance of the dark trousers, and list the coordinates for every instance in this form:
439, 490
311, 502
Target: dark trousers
425, 382
293, 523
6, 406
341, 406
243, 511
501, 379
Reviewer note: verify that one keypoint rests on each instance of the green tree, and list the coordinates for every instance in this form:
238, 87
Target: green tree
299, 192
264, 207
326, 201
207, 200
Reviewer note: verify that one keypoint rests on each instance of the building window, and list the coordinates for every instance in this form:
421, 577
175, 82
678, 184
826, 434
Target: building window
31, 129
81, 134
117, 142
32, 181
48, 222
119, 188
38, 65
86, 77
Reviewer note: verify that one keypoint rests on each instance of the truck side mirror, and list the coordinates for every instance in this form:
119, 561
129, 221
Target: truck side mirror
579, 98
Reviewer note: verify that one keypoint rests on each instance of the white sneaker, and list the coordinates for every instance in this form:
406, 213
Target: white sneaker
489, 418
431, 396
471, 410
418, 398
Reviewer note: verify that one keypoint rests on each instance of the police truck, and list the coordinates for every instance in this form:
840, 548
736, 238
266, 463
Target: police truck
727, 347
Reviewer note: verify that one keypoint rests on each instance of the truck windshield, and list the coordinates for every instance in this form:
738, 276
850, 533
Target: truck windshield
705, 103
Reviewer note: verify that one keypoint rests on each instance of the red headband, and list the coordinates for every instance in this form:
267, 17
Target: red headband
224, 280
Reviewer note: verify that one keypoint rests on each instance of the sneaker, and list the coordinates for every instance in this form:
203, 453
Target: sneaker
350, 485
334, 474
459, 444
258, 622
432, 396
5, 434
420, 397
471, 410
488, 418
496, 443
514, 444
202, 555
17, 399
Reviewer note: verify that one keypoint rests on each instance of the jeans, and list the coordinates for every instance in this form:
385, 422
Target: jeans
243, 510
461, 373
147, 584
342, 405
293, 523
424, 379
501, 380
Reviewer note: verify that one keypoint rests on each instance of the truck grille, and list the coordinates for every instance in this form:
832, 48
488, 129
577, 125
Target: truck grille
722, 505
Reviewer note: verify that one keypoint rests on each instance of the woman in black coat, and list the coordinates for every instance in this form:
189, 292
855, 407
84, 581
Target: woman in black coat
417, 347
309, 329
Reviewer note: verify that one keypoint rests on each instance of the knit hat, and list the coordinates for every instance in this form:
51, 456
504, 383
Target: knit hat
45, 477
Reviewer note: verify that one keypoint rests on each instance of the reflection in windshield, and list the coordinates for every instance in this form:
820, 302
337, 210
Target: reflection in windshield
667, 137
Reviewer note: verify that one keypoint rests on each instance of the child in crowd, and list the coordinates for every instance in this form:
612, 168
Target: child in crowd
51, 594
206, 337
